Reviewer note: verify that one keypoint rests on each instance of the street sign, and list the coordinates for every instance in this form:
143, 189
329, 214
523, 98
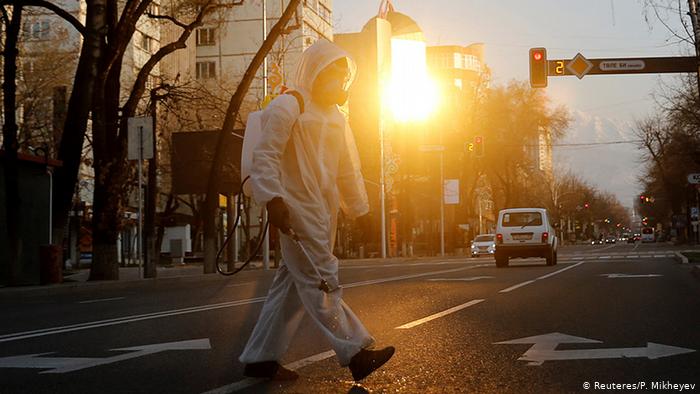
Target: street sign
140, 136
694, 179
694, 213
579, 65
451, 191
622, 65
544, 349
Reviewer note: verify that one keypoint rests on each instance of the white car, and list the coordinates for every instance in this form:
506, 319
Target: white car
525, 232
484, 244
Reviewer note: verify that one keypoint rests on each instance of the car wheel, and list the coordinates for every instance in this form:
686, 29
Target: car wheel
501, 261
551, 257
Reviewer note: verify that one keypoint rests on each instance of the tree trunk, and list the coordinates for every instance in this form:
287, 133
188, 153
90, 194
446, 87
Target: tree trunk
212, 198
151, 200
10, 145
79, 105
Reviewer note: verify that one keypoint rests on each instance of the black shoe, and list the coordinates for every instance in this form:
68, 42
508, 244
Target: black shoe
269, 370
367, 361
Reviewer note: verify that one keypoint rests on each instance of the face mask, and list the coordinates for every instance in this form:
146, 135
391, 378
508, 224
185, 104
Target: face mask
331, 85
331, 92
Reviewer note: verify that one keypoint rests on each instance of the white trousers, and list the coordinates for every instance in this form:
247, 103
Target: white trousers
293, 293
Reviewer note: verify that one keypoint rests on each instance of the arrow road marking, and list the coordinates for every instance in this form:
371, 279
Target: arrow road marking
70, 364
468, 279
618, 276
544, 349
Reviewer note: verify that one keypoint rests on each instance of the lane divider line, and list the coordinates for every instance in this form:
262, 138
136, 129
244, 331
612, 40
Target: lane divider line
508, 290
202, 308
438, 315
101, 300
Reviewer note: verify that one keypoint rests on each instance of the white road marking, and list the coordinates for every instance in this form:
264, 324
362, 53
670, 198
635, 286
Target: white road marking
71, 364
402, 277
618, 276
519, 285
438, 315
174, 312
544, 349
248, 382
605, 257
239, 284
101, 300
468, 279
508, 290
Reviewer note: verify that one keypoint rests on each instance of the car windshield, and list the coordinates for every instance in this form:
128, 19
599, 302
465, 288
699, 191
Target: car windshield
516, 219
647, 231
484, 238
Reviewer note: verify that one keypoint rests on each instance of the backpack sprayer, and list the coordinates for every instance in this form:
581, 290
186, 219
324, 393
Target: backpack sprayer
251, 138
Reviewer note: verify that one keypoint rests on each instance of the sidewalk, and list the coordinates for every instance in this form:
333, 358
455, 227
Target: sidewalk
129, 276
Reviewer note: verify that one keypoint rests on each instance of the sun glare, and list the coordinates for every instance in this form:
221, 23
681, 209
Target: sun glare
411, 94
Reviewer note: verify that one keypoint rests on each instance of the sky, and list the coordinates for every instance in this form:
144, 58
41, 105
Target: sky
603, 108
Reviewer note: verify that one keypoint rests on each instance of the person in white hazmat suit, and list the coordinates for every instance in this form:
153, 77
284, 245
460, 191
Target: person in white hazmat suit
305, 168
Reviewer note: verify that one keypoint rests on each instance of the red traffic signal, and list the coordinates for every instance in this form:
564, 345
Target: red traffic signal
538, 67
479, 146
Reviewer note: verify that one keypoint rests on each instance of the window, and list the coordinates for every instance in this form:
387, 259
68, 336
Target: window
152, 9
37, 30
324, 12
484, 238
471, 62
206, 70
458, 60
146, 42
206, 37
524, 219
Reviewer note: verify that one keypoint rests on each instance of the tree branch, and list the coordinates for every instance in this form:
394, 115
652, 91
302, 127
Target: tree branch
67, 16
168, 18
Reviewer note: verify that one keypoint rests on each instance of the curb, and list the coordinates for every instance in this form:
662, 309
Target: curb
70, 287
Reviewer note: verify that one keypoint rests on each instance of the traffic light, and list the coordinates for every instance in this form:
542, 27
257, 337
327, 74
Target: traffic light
642, 198
479, 146
538, 67
586, 205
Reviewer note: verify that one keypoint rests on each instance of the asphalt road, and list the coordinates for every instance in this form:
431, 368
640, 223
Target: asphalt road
605, 315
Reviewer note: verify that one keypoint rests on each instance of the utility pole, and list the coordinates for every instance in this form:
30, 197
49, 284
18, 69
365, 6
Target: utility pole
693, 13
266, 234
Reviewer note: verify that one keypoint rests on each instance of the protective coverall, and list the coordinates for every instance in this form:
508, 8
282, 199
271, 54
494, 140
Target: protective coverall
309, 160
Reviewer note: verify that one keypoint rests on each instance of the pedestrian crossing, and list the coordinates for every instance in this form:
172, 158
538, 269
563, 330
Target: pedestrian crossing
617, 256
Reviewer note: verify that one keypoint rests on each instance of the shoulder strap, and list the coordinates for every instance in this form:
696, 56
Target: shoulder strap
299, 97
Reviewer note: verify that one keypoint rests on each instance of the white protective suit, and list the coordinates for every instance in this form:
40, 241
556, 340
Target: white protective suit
311, 162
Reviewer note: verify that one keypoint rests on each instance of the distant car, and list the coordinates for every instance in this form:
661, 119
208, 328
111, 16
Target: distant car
597, 242
484, 244
631, 239
610, 240
525, 232
648, 235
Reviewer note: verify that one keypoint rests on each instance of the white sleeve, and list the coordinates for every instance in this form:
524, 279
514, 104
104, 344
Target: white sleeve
277, 122
351, 184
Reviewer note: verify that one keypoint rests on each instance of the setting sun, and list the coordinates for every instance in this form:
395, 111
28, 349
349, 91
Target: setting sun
410, 94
